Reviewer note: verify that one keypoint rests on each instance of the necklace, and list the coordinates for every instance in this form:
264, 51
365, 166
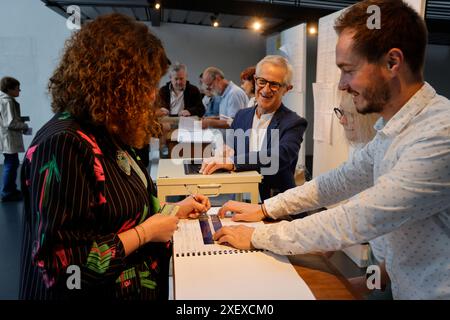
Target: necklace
126, 163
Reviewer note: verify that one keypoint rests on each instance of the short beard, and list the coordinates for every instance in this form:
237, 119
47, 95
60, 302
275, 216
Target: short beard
377, 96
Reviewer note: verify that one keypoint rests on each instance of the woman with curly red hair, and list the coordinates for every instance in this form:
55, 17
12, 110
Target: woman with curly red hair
93, 226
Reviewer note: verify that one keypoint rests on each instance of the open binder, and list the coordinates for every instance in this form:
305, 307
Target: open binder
204, 270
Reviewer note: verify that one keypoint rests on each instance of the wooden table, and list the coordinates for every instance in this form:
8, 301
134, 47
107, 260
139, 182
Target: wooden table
324, 280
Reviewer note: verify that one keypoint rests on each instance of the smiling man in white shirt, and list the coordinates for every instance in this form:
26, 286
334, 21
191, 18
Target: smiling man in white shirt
400, 181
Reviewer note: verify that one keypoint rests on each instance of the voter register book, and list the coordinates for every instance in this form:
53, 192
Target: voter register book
205, 270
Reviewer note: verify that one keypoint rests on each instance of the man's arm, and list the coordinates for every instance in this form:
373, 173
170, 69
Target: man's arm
10, 118
336, 185
236, 102
417, 187
194, 102
215, 123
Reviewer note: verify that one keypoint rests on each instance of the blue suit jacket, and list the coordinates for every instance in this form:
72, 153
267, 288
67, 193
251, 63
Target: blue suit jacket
291, 128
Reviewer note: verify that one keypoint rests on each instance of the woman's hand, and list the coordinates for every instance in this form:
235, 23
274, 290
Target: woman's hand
242, 211
193, 206
159, 228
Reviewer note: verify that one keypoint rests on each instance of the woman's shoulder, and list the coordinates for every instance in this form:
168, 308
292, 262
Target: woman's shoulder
63, 126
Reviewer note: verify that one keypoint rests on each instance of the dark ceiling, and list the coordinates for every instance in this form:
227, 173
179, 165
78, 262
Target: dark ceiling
276, 15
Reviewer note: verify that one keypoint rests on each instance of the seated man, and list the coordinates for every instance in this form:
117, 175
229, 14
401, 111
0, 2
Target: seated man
232, 98
178, 96
209, 100
272, 144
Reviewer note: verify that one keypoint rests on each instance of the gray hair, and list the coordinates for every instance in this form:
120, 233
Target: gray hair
280, 62
214, 72
177, 67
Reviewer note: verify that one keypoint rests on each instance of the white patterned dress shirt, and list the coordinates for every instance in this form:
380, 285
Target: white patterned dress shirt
401, 180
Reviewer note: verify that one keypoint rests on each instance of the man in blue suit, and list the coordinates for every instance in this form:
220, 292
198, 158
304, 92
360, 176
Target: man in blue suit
266, 137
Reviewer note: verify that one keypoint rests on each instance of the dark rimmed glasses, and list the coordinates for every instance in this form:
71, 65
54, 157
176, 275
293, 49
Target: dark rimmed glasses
339, 113
273, 85
209, 86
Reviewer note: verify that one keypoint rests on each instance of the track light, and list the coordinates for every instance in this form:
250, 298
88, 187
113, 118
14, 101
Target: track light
312, 28
214, 21
257, 25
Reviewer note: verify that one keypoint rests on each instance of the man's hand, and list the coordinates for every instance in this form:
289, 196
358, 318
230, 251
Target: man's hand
210, 165
162, 112
205, 123
242, 211
185, 113
239, 237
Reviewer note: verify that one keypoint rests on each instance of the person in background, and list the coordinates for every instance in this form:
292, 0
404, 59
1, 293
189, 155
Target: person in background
210, 101
12, 127
232, 98
359, 130
178, 96
248, 85
260, 150
91, 211
398, 185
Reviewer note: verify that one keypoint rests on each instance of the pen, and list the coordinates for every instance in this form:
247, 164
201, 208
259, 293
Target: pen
193, 196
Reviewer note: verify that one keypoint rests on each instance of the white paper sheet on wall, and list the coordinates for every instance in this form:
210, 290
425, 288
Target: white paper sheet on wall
294, 48
327, 71
326, 97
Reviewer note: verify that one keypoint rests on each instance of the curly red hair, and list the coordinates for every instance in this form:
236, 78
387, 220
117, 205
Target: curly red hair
248, 74
108, 76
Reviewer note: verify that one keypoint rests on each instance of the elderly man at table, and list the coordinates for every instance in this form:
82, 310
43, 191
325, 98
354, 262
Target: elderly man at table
232, 98
178, 96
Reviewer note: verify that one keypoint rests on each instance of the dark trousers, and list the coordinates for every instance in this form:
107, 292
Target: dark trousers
10, 166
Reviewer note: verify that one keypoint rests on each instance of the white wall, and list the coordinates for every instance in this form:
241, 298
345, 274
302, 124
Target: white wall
291, 43
31, 39
199, 47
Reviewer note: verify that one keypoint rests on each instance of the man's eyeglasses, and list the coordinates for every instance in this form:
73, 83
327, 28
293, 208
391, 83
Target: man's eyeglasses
209, 86
273, 85
338, 112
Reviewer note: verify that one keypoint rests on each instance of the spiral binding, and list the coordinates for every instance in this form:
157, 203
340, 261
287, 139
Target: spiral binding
216, 252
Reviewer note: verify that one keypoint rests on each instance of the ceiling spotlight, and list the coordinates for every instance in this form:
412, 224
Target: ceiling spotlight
214, 21
257, 25
312, 28
157, 5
